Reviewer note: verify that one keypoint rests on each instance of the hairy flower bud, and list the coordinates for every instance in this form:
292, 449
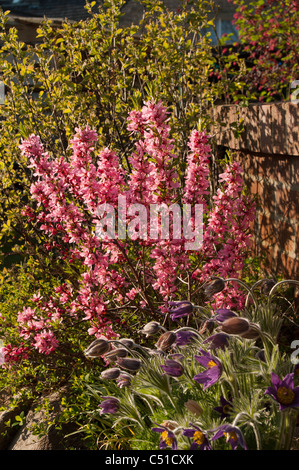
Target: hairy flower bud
218, 340
166, 340
129, 343
98, 348
110, 405
129, 363
194, 407
150, 328
251, 333
124, 380
235, 326
214, 286
172, 368
116, 353
185, 337
110, 374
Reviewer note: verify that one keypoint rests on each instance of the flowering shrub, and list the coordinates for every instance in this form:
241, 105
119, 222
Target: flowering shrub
268, 31
118, 276
228, 386
94, 72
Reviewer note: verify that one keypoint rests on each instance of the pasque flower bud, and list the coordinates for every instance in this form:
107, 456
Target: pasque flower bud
214, 286
110, 374
172, 368
127, 342
124, 380
218, 340
185, 337
110, 405
194, 407
150, 328
98, 348
116, 353
129, 363
166, 340
251, 333
235, 326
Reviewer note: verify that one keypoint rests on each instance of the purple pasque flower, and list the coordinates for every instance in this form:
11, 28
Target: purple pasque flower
213, 372
172, 368
179, 309
199, 438
232, 434
184, 337
221, 314
167, 438
110, 405
283, 391
218, 340
225, 407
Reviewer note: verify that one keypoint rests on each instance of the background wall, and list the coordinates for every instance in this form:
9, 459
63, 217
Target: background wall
268, 150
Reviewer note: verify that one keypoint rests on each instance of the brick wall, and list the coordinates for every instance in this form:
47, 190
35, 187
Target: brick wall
268, 150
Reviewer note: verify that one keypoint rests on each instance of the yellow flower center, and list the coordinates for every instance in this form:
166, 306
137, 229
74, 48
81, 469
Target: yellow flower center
231, 435
199, 437
211, 364
285, 395
166, 439
226, 409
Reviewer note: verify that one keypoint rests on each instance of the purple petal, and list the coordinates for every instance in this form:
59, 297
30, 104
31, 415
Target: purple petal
158, 429
271, 391
203, 360
208, 378
188, 432
288, 381
162, 444
275, 379
217, 435
194, 445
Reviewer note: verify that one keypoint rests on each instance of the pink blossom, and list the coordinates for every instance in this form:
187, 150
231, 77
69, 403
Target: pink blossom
32, 146
45, 342
13, 354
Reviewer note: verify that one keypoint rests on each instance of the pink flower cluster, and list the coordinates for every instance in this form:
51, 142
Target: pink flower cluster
13, 354
227, 234
115, 273
155, 181
36, 324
